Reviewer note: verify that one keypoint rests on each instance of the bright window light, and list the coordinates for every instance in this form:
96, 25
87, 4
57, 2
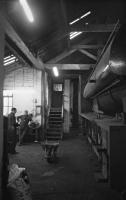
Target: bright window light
85, 15
74, 21
9, 60
27, 10
72, 36
7, 57
79, 18
73, 33
107, 66
55, 71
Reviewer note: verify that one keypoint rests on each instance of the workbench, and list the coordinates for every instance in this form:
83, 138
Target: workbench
107, 137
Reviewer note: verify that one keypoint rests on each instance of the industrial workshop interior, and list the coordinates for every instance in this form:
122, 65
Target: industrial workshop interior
62, 99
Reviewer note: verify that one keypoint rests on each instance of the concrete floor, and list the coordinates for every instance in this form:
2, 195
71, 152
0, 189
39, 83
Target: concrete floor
72, 178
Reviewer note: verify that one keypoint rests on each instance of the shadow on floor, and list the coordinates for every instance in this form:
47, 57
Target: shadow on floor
72, 178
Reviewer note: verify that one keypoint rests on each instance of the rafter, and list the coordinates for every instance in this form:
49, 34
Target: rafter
59, 37
70, 66
20, 46
86, 46
61, 56
94, 28
90, 55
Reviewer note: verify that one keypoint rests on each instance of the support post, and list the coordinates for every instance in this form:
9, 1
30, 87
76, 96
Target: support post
2, 43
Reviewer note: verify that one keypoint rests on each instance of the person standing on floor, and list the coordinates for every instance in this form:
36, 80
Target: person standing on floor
12, 135
24, 126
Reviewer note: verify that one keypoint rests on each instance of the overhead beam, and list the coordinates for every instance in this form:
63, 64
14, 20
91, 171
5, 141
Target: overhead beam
66, 26
61, 56
69, 76
94, 28
63, 76
59, 37
73, 49
17, 43
55, 38
69, 66
86, 46
90, 55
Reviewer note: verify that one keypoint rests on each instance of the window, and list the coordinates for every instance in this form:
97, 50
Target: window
57, 87
7, 103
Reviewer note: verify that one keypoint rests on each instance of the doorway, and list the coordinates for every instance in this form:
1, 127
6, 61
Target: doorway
57, 95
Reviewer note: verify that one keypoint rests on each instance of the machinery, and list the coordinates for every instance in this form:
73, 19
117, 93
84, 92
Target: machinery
108, 80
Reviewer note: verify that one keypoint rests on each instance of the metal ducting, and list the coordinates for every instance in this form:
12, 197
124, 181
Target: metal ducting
111, 67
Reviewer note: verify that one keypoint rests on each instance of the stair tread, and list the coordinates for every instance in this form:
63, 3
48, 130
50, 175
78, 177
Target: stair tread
53, 133
54, 128
54, 137
58, 118
55, 122
50, 120
55, 125
51, 136
55, 114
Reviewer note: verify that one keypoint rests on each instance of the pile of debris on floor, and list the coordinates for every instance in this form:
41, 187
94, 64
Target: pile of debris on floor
18, 183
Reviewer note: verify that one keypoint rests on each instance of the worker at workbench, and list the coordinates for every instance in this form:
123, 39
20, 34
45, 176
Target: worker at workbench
24, 121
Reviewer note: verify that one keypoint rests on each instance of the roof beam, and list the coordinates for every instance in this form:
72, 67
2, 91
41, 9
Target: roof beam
70, 66
94, 28
20, 45
55, 38
90, 55
86, 46
66, 26
61, 56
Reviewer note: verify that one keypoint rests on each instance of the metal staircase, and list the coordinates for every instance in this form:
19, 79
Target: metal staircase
54, 129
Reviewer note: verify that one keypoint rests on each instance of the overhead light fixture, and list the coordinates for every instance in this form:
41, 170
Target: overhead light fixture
55, 71
74, 34
79, 18
27, 10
